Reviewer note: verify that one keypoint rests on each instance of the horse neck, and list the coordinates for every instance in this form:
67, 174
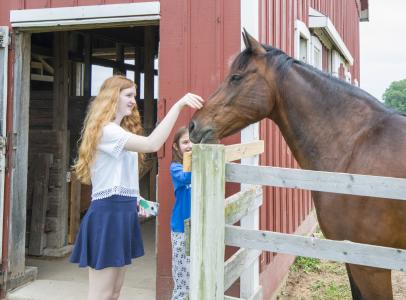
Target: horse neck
321, 119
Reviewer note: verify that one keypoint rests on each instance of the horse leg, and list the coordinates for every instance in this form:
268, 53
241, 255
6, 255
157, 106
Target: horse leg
369, 283
355, 292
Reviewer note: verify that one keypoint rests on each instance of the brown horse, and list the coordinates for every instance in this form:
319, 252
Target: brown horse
330, 126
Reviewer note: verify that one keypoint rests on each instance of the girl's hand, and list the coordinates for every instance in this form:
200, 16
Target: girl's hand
191, 100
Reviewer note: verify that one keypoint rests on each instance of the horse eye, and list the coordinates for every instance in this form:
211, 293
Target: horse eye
235, 77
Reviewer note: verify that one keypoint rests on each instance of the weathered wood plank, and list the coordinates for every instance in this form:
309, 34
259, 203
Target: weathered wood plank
236, 264
149, 40
74, 218
18, 197
187, 225
3, 113
341, 251
238, 151
40, 165
249, 279
341, 183
258, 294
231, 298
60, 122
207, 235
241, 203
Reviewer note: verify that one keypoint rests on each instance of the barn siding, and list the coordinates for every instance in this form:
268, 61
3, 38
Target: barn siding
195, 50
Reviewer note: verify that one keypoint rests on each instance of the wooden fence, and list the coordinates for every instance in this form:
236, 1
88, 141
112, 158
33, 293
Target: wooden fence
213, 217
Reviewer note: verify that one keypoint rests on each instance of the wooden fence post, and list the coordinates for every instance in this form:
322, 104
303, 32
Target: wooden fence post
208, 221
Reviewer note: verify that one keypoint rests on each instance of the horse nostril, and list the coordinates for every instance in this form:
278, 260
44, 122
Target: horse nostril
191, 126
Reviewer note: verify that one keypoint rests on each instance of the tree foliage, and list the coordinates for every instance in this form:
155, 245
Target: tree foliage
395, 95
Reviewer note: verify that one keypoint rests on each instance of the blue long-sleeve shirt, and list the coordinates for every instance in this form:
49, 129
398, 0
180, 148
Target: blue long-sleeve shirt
181, 184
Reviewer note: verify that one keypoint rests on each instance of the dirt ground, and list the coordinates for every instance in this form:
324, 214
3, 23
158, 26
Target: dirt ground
315, 279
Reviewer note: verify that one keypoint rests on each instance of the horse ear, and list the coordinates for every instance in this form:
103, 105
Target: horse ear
246, 41
251, 43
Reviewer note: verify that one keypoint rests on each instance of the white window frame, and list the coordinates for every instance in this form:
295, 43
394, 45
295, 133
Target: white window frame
301, 33
249, 279
316, 46
336, 60
319, 21
347, 73
85, 15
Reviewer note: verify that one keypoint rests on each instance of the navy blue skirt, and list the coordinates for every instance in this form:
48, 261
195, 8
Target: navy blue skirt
109, 235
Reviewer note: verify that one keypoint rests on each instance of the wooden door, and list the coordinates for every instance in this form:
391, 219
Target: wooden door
4, 41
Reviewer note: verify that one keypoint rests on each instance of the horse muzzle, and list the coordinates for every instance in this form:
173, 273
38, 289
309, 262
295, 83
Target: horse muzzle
201, 135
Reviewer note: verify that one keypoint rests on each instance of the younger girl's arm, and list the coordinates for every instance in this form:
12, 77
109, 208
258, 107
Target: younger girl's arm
179, 177
157, 138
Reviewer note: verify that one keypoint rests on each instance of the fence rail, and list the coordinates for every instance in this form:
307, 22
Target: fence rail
341, 183
213, 216
341, 251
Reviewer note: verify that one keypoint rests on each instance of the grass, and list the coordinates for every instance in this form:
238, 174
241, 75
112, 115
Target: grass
306, 264
317, 279
324, 290
330, 279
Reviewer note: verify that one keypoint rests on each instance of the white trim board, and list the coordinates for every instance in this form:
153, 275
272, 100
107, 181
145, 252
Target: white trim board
318, 20
85, 15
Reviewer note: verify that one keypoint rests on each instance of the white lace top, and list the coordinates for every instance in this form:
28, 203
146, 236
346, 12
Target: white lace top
115, 170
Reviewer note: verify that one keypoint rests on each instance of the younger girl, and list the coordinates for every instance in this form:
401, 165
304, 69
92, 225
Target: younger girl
181, 211
109, 235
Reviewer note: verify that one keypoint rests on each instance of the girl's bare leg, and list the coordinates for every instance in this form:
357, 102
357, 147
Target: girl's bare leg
102, 283
119, 282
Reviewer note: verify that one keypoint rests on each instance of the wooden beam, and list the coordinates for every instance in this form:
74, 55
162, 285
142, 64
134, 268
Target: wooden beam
74, 217
231, 298
236, 264
207, 241
118, 68
341, 251
110, 53
46, 65
45, 78
137, 71
341, 183
149, 40
19, 153
40, 171
60, 124
87, 76
238, 151
241, 203
258, 294
187, 225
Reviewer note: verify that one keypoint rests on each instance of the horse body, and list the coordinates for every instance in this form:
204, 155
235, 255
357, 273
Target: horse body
330, 126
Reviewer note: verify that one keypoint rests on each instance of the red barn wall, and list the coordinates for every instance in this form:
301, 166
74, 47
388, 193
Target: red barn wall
197, 40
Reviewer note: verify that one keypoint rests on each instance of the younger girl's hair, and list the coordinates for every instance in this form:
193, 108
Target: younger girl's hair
101, 111
176, 154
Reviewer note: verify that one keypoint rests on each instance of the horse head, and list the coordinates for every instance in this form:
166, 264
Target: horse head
246, 96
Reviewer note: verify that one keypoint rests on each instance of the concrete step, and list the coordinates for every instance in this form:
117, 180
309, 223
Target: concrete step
68, 290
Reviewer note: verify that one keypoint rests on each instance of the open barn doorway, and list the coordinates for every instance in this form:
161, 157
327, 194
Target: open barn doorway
66, 72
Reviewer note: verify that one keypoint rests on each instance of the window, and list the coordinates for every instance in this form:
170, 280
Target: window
302, 44
317, 53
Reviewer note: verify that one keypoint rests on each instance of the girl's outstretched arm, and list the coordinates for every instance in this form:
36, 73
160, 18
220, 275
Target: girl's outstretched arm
157, 138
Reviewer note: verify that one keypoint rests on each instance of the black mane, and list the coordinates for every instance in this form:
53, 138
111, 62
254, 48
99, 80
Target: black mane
282, 63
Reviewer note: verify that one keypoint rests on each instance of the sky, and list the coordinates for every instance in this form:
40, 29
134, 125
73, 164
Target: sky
383, 46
